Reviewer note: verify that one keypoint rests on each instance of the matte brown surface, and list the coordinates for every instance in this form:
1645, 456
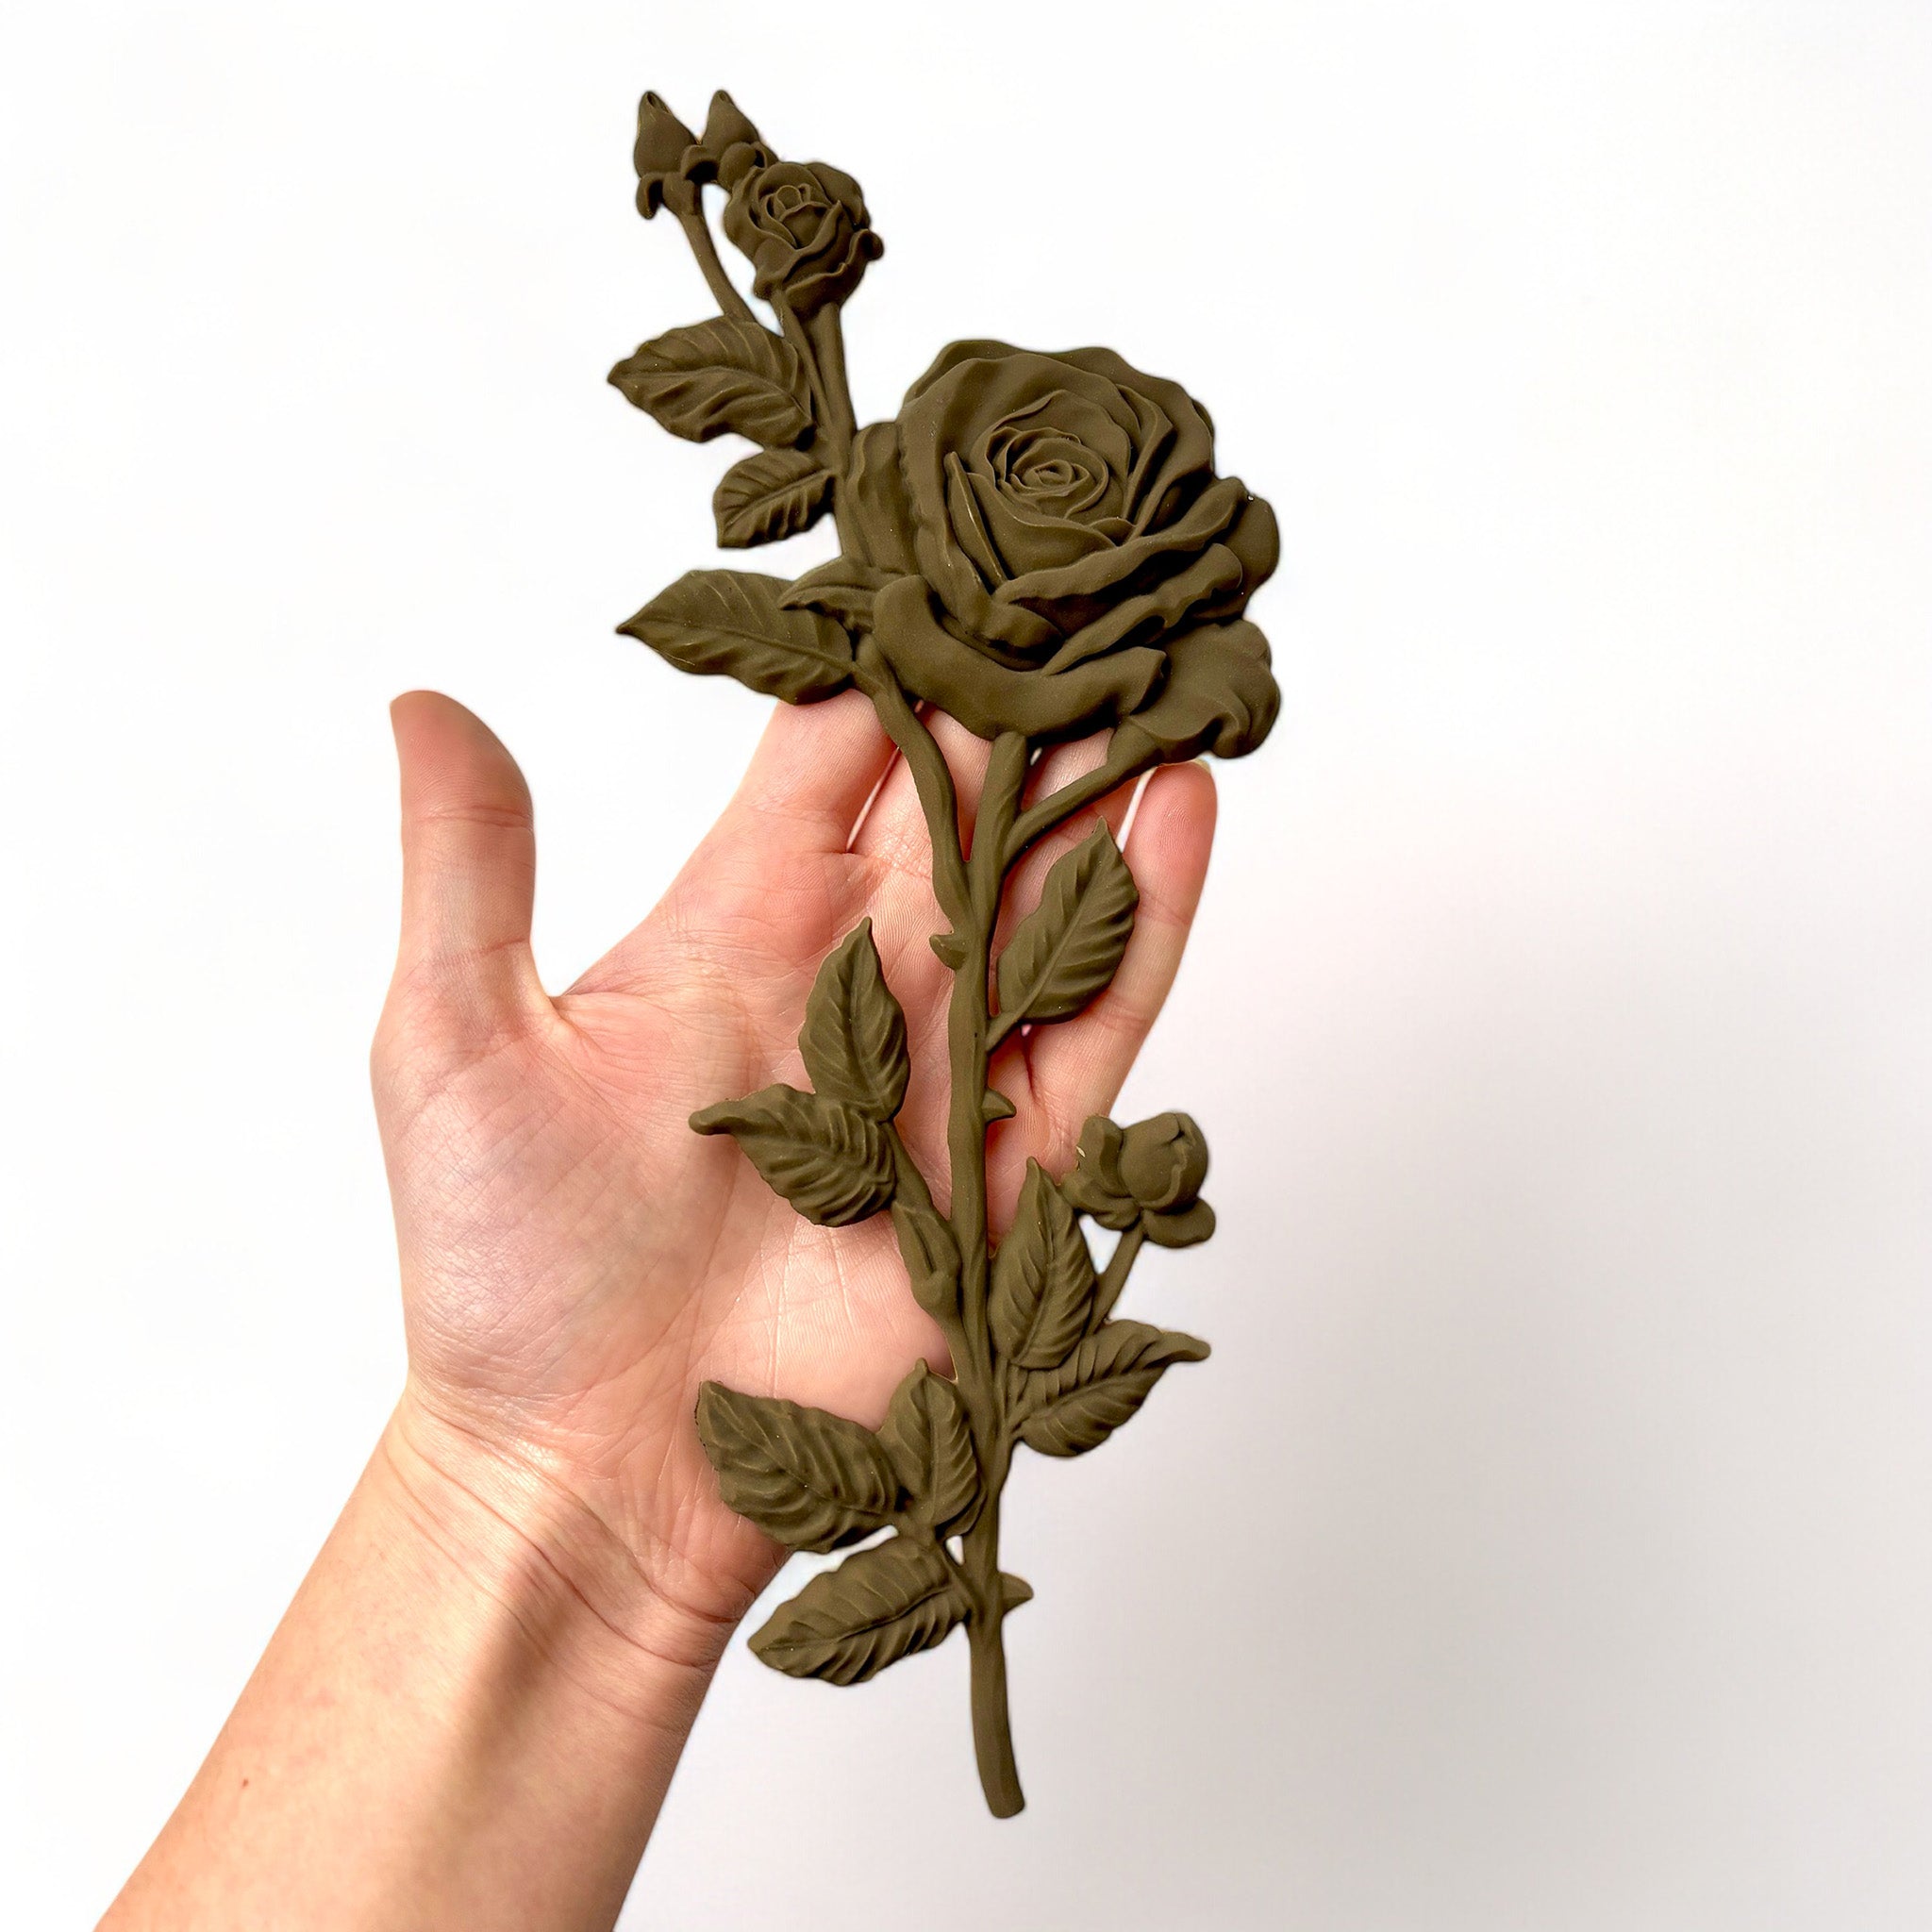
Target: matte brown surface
1040, 546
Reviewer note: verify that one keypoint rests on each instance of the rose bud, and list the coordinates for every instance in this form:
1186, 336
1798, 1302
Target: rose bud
729, 147
1149, 1174
662, 144
1163, 1162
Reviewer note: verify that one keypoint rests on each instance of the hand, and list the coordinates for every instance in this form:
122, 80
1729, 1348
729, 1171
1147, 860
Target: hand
576, 1260
472, 1708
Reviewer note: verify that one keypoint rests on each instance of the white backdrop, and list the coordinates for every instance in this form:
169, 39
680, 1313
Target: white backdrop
1548, 1543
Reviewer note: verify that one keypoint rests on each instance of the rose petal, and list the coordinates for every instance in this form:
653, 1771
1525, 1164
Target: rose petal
1193, 429
1206, 518
1100, 1148
1144, 618
1019, 376
839, 275
1030, 542
1083, 417
769, 262
1183, 1230
1256, 538
1095, 1186
969, 528
975, 349
1117, 1211
811, 227
876, 498
837, 182
1155, 440
1019, 457
989, 698
1163, 1162
1220, 695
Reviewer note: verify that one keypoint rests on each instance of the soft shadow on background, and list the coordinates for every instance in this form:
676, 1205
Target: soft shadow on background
1548, 1542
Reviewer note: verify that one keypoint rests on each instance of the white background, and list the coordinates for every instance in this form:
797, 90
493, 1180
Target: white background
1549, 1543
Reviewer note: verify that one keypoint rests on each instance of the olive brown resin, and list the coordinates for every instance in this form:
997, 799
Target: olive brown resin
1039, 547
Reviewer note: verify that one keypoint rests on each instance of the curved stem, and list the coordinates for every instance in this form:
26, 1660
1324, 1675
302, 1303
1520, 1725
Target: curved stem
1114, 1276
838, 445
980, 1385
969, 893
999, 805
992, 1731
966, 1027
697, 231
827, 334
822, 352
930, 774
1121, 764
831, 417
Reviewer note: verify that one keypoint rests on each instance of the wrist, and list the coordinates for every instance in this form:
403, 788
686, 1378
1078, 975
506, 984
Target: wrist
526, 1541
469, 1715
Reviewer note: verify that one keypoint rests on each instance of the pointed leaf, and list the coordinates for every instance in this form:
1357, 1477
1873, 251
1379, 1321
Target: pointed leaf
828, 1159
854, 1041
1076, 1407
810, 1478
929, 1444
877, 1606
719, 375
1043, 1278
729, 624
1068, 948
772, 495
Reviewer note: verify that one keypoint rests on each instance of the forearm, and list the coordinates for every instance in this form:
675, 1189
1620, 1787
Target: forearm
468, 1718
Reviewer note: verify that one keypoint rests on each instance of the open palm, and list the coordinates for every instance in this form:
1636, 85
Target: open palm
576, 1260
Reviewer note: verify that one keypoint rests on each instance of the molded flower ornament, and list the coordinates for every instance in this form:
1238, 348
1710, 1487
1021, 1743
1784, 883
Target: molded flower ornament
1062, 554
1039, 547
1150, 1173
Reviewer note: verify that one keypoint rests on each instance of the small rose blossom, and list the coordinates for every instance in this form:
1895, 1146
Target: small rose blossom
1148, 1174
804, 227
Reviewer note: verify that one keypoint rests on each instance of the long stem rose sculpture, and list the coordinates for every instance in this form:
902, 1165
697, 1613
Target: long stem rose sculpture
1040, 546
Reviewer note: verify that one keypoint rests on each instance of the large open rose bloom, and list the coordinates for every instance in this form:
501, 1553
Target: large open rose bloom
1062, 556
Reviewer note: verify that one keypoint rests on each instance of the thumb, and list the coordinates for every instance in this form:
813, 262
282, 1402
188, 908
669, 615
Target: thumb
469, 863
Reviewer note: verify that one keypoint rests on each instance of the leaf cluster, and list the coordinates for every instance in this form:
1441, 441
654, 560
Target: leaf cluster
833, 1153
1064, 1376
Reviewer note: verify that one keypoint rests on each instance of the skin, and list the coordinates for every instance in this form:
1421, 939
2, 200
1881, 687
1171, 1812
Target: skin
470, 1714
